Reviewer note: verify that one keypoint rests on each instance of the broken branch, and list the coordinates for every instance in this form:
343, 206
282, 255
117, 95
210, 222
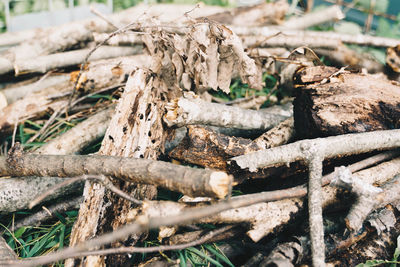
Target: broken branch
190, 181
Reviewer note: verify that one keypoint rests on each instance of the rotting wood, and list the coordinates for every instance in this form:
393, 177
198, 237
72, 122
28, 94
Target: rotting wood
207, 148
347, 103
368, 199
135, 131
193, 214
377, 240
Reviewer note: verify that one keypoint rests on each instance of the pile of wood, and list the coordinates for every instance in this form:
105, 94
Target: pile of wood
165, 133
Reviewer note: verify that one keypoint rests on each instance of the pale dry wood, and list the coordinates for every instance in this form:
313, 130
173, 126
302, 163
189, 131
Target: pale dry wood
279, 135
332, 13
255, 15
194, 214
135, 131
17, 193
328, 37
290, 41
43, 64
6, 253
13, 94
77, 34
98, 75
329, 147
190, 110
122, 39
81, 135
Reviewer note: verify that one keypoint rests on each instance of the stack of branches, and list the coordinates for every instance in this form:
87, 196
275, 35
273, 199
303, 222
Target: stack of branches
161, 130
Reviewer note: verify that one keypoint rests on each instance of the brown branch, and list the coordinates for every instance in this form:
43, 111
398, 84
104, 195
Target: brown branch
186, 217
126, 250
43, 215
194, 182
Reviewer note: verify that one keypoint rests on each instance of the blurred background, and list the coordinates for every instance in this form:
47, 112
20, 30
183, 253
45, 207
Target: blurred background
379, 17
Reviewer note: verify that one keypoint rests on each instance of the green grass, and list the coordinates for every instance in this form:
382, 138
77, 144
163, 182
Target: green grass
35, 241
239, 90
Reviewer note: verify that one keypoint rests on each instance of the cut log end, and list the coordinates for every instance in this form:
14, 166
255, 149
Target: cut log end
221, 183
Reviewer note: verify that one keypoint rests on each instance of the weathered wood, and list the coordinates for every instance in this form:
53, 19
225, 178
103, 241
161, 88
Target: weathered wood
135, 131
348, 103
6, 253
43, 64
98, 75
210, 149
257, 15
191, 181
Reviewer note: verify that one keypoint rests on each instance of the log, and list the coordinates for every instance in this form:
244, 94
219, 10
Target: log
210, 149
80, 136
13, 94
134, 131
348, 103
17, 193
332, 13
43, 64
98, 75
190, 110
344, 56
257, 15
191, 181
328, 37
327, 147
6, 253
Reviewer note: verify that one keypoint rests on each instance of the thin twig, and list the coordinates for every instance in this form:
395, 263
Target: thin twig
122, 250
40, 216
97, 178
143, 224
100, 15
47, 124
14, 132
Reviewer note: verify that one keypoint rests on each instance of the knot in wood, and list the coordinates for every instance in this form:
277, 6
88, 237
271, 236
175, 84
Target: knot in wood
311, 151
15, 157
